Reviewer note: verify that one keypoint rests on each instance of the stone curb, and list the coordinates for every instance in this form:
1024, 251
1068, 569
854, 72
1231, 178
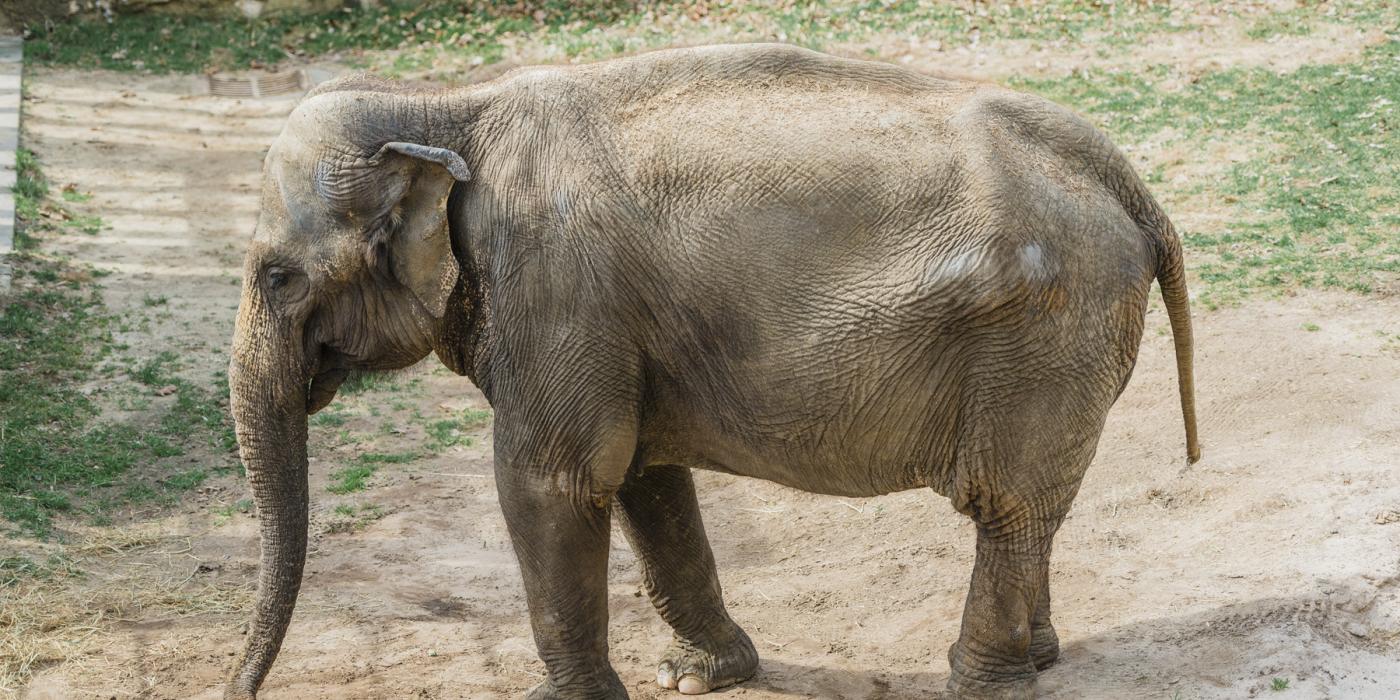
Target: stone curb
11, 65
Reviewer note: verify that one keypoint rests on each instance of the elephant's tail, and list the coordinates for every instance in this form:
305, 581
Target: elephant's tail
1171, 275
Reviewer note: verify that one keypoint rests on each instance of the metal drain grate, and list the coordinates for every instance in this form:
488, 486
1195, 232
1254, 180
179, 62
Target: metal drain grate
257, 84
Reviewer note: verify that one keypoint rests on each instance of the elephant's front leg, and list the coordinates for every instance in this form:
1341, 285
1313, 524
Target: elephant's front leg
661, 517
562, 544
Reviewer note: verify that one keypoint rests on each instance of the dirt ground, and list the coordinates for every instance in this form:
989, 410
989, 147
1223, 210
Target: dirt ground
1276, 556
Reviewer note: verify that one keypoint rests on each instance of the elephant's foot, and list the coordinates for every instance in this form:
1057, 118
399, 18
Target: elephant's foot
697, 668
1045, 647
973, 679
609, 688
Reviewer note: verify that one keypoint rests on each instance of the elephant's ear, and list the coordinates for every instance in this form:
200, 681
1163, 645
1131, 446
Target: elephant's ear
412, 242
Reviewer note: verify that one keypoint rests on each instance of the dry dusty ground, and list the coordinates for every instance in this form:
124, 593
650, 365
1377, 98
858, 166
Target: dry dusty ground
1278, 555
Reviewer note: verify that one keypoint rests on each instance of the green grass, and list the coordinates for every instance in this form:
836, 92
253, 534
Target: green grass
354, 477
85, 223
361, 382
53, 335
72, 195
449, 432
1293, 23
475, 418
37, 212
329, 417
387, 458
186, 480
31, 189
1316, 205
242, 505
156, 370
351, 478
16, 569
443, 434
59, 455
450, 36
164, 43
350, 518
1278, 684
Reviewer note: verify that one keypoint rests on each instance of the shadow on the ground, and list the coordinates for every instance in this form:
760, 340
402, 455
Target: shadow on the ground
1148, 658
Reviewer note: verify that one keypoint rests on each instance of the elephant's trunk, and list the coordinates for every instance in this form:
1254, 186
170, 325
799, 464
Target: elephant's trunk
268, 383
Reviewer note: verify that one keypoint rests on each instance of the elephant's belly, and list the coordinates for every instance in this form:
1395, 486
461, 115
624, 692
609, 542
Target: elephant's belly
823, 476
863, 446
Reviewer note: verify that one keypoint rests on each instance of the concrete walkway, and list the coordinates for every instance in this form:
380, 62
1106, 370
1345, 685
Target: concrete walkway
11, 61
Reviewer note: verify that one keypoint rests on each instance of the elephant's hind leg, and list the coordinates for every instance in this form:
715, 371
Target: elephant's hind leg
1045, 643
661, 517
1006, 633
992, 657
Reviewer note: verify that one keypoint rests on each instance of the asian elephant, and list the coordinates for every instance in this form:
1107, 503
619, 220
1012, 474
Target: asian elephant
761, 260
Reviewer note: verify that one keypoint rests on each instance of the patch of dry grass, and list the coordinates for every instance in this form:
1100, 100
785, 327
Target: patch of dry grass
40, 625
109, 575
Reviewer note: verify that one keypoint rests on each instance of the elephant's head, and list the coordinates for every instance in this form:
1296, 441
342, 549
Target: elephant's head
350, 267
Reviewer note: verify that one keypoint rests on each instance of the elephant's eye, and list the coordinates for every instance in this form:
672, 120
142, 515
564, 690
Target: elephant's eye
284, 284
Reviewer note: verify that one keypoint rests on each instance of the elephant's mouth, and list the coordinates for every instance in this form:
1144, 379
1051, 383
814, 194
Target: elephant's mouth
323, 387
331, 365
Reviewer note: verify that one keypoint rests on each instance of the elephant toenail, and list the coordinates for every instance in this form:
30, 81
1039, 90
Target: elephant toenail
665, 678
692, 685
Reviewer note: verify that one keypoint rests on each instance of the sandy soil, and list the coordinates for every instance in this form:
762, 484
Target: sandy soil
1278, 555
1222, 44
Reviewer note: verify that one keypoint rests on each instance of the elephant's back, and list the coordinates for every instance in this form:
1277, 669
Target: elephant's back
773, 150
915, 199
729, 66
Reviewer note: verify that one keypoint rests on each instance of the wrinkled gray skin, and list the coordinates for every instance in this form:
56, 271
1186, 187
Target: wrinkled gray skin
760, 260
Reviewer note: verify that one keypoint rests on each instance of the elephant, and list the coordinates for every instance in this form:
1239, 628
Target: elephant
834, 274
